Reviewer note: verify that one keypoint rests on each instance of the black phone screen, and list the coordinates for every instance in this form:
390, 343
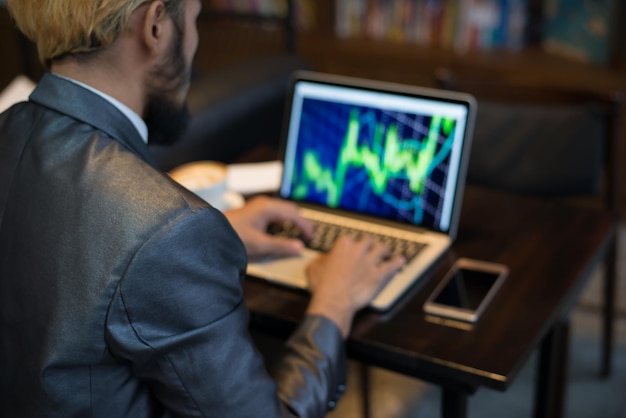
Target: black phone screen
466, 289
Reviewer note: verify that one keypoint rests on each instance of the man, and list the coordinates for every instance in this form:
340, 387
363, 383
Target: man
120, 291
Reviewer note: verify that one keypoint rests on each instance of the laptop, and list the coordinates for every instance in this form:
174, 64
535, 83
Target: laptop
377, 158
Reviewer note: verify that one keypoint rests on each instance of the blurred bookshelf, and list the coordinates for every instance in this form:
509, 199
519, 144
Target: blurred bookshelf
580, 29
407, 39
233, 31
302, 11
452, 24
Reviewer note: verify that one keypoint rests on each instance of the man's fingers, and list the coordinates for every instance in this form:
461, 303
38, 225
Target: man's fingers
393, 264
280, 211
282, 246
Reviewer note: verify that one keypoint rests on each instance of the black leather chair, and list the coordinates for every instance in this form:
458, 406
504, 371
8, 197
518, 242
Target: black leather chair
552, 142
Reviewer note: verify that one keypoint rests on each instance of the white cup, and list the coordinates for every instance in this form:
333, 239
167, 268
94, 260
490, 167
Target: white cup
207, 179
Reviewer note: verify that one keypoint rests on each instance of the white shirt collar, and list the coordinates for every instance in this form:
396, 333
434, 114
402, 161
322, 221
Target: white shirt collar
135, 119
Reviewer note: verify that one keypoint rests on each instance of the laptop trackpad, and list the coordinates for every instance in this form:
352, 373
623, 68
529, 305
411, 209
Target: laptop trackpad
289, 271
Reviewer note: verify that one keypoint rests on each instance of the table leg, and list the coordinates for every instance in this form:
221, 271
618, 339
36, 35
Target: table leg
453, 403
365, 389
552, 373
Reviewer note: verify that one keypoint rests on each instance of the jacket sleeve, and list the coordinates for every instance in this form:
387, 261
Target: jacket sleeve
178, 319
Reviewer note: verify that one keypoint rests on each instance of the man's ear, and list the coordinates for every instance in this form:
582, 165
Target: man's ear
156, 29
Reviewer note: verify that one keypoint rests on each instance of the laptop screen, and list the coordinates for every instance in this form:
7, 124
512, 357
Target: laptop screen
390, 154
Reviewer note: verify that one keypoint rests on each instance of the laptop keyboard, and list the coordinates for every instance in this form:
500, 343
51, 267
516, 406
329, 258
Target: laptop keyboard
327, 233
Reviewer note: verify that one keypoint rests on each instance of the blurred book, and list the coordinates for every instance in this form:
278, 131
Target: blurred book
460, 24
491, 24
580, 29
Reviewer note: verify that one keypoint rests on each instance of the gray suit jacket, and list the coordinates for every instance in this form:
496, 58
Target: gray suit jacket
120, 291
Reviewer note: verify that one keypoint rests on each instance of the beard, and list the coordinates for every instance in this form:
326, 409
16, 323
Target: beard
166, 120
165, 115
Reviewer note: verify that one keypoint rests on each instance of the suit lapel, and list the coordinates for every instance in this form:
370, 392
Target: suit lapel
81, 104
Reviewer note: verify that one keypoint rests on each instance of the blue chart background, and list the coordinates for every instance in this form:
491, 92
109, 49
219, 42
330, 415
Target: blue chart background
323, 129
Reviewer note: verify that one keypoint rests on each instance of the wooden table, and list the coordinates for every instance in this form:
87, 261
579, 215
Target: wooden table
551, 250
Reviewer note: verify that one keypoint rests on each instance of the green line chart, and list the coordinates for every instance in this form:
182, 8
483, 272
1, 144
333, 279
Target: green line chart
384, 163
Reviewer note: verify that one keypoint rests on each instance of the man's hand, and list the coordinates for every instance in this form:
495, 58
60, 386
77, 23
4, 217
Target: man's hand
341, 282
252, 220
348, 277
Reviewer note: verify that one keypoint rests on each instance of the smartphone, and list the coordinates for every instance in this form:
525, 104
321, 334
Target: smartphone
466, 289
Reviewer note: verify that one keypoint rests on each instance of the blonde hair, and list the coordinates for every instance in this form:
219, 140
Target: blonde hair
62, 27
